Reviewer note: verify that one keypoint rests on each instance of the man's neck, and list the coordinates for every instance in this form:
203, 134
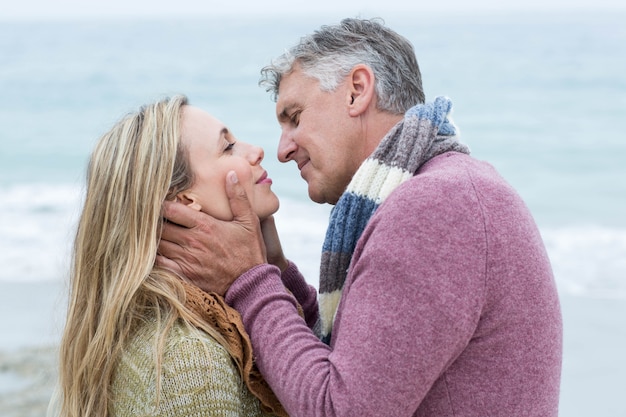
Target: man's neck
377, 128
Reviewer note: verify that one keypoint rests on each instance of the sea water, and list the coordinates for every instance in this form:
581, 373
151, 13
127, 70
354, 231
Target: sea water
541, 97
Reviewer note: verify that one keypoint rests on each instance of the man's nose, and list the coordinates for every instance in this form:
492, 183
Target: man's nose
286, 146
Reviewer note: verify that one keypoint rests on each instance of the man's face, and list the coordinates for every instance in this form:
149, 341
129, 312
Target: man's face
318, 134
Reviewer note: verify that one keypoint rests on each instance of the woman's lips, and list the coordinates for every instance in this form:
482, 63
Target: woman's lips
264, 179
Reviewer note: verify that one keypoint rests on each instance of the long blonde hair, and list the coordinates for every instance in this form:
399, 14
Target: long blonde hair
114, 282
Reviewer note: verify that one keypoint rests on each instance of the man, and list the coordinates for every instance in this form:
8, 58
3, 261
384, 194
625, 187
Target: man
436, 293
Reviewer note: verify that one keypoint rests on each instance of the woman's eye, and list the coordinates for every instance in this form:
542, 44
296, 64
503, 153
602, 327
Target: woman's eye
229, 147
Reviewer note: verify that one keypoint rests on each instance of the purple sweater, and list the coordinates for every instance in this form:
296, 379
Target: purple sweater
449, 309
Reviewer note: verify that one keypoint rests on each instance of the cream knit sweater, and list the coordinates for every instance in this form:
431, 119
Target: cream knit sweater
198, 378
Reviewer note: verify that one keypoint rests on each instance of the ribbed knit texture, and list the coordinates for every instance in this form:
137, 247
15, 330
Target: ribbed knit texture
226, 320
198, 378
426, 131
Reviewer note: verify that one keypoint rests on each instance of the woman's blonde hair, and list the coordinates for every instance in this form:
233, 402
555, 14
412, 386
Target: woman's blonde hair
115, 284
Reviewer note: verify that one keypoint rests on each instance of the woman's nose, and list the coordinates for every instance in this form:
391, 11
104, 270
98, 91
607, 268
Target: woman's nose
255, 154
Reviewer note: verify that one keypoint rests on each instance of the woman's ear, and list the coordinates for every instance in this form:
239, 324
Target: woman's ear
361, 89
189, 199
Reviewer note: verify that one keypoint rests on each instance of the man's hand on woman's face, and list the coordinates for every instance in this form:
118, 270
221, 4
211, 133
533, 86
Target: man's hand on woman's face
208, 252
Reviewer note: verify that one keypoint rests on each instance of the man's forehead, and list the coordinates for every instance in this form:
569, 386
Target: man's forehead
294, 86
288, 81
289, 94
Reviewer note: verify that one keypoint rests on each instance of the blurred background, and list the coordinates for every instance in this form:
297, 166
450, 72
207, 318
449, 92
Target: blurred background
539, 91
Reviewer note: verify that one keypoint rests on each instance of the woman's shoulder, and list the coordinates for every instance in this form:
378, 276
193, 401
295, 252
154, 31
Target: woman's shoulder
195, 370
186, 338
182, 346
191, 351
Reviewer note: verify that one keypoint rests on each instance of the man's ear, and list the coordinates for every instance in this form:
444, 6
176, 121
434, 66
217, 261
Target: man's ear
361, 89
189, 199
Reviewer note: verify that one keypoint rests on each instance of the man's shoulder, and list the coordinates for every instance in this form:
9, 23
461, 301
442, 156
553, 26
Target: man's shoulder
457, 167
446, 176
451, 186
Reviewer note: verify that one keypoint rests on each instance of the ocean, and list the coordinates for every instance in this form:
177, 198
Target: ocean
540, 96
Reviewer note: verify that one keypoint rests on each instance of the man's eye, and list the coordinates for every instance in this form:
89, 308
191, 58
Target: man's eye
295, 118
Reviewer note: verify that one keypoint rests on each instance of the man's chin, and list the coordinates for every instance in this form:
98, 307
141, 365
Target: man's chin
316, 197
320, 198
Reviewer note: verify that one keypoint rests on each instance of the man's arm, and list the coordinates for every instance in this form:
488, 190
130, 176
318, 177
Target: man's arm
397, 328
408, 309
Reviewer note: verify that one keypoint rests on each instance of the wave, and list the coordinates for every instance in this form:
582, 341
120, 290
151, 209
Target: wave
588, 260
37, 225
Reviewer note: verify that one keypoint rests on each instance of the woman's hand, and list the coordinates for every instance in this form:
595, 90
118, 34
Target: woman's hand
275, 255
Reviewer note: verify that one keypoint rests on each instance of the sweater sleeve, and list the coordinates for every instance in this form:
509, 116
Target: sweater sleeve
408, 309
305, 294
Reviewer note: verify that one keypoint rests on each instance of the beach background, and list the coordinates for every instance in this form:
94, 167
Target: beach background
540, 92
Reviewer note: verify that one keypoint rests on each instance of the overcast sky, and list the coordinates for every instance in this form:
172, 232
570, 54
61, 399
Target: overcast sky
54, 9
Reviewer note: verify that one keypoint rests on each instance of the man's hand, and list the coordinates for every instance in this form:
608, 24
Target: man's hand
212, 253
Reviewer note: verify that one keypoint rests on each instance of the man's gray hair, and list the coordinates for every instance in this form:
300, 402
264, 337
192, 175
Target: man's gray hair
330, 53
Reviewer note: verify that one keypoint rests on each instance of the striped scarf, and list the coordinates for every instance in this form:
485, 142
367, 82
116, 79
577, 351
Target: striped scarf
425, 132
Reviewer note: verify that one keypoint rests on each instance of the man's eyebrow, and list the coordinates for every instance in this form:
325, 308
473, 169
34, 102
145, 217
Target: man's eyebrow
284, 115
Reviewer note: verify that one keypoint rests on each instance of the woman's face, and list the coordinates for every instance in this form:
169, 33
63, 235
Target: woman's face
213, 152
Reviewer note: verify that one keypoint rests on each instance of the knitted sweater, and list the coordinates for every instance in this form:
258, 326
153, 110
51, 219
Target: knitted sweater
198, 378
449, 308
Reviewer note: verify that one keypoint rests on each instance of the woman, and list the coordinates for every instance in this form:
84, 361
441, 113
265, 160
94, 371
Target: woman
140, 340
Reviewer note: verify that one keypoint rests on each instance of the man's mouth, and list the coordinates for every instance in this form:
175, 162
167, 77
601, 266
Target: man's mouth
301, 164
